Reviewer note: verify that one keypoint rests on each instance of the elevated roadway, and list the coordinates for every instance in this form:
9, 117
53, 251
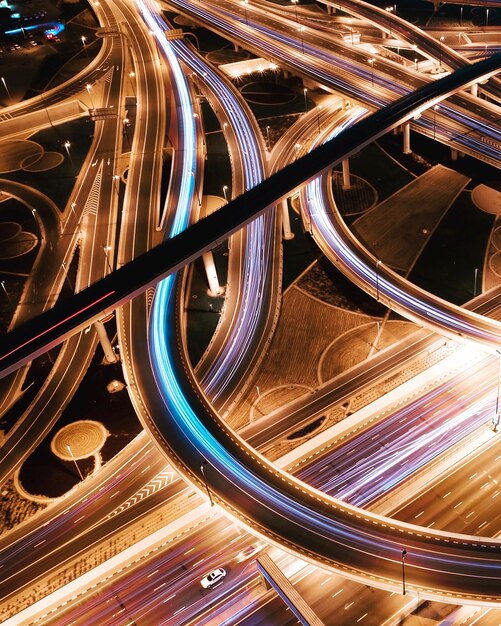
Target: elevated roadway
36, 336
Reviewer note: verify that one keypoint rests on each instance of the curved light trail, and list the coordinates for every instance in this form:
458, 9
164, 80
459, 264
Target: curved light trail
338, 72
288, 512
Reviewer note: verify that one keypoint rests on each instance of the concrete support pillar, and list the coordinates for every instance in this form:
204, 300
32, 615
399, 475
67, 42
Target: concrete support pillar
454, 154
346, 175
286, 222
210, 269
236, 47
474, 89
407, 138
109, 355
461, 154
396, 130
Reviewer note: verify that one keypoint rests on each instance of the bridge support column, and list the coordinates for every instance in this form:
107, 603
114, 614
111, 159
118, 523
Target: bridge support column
215, 288
286, 222
346, 174
109, 355
236, 47
454, 154
474, 89
407, 138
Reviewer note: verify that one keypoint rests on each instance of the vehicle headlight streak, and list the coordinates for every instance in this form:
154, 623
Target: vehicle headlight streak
229, 22
291, 501
259, 232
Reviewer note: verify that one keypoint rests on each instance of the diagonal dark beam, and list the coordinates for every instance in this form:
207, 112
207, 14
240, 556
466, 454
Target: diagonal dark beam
39, 334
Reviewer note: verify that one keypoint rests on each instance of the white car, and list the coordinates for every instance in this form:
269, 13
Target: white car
212, 578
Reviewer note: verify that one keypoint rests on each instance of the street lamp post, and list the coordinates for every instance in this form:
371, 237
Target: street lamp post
435, 109
305, 91
107, 249
225, 189
404, 552
126, 124
461, 18
6, 88
268, 137
67, 146
88, 86
63, 265
131, 76
487, 17
475, 282
116, 187
319, 106
416, 64
74, 461
202, 469
294, 2
84, 39
440, 53
6, 292
301, 31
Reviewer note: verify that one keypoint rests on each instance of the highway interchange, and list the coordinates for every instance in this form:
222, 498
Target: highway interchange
225, 371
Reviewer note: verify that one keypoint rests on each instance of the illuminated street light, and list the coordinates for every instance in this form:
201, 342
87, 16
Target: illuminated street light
116, 178
67, 146
6, 292
84, 39
416, 64
487, 17
74, 461
305, 91
268, 137
89, 89
225, 189
6, 88
202, 469
107, 249
132, 75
